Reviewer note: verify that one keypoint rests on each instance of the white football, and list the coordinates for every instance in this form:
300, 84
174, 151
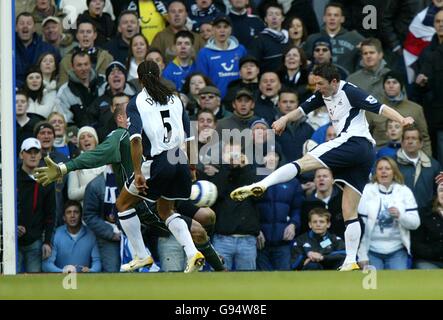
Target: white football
203, 193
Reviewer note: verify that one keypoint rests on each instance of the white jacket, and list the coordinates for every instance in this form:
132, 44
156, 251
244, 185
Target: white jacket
402, 198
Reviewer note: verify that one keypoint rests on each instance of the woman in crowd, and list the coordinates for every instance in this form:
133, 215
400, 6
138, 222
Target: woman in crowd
389, 212
78, 180
293, 72
61, 141
296, 30
192, 86
138, 49
49, 69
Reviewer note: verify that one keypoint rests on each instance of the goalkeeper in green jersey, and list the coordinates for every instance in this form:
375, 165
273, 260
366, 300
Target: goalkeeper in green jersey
116, 150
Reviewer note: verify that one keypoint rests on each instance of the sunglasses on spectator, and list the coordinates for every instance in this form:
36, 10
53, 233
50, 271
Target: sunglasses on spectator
321, 49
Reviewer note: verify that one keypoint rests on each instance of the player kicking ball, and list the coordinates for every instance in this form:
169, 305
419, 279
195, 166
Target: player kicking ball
350, 155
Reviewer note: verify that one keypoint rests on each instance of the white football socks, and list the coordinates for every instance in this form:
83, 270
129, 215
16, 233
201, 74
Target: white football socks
352, 240
282, 174
131, 226
179, 229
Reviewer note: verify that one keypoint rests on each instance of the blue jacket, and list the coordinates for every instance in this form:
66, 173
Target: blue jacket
94, 207
82, 251
28, 56
177, 74
221, 66
245, 27
280, 203
390, 150
293, 138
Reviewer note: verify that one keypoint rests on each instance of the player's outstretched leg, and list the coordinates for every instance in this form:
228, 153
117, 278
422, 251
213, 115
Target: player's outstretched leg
282, 174
350, 201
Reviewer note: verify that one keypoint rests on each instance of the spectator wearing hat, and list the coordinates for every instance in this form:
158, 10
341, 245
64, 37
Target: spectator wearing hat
263, 142
102, 20
79, 179
210, 98
220, 58
29, 46
394, 96
243, 114
35, 212
52, 33
267, 99
344, 43
370, 77
249, 71
279, 210
202, 11
322, 53
270, 43
296, 133
165, 40
86, 35
116, 82
45, 133
76, 96
42, 10
245, 26
183, 64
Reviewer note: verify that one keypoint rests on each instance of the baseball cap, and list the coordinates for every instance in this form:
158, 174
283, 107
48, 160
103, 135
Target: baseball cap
115, 65
244, 93
30, 143
210, 89
219, 19
50, 18
248, 58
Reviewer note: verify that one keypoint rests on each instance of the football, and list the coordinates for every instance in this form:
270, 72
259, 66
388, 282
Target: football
203, 193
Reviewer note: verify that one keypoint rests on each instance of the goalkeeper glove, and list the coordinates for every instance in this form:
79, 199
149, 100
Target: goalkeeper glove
53, 172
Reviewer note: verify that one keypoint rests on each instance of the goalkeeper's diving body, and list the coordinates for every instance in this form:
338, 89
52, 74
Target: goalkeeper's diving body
350, 155
115, 150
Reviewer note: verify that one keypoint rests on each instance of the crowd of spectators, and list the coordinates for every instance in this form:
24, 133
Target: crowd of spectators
237, 66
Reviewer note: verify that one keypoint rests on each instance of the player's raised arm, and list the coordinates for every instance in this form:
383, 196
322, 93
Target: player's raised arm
392, 114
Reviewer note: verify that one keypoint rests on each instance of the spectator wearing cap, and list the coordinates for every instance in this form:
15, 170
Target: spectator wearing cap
263, 143
394, 96
279, 210
210, 98
76, 96
370, 77
243, 114
345, 52
28, 46
78, 180
245, 26
270, 43
295, 134
86, 35
35, 212
249, 71
183, 64
42, 10
128, 26
267, 99
52, 32
202, 11
322, 53
220, 58
165, 40
45, 133
102, 20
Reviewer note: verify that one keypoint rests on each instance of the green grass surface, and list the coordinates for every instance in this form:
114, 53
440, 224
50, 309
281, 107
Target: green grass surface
411, 284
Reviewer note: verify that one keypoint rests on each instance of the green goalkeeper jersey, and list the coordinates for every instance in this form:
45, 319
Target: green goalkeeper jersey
115, 150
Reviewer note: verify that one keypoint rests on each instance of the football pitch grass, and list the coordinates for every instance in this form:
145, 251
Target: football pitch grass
329, 285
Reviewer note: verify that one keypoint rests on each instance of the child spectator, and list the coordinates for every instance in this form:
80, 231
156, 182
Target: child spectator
394, 130
318, 249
